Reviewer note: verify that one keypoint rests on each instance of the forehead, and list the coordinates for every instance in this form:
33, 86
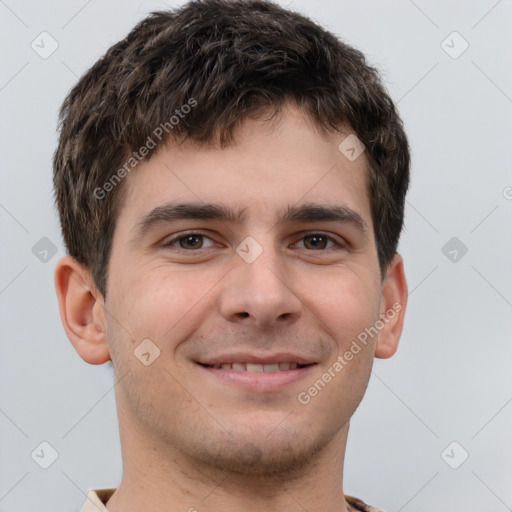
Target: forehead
270, 167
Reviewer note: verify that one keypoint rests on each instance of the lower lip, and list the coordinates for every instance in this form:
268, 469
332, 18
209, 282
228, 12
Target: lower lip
260, 381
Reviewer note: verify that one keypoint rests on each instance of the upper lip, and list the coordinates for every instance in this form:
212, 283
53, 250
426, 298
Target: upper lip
238, 357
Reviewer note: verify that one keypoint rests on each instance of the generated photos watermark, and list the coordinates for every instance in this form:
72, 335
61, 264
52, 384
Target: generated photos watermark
304, 397
151, 142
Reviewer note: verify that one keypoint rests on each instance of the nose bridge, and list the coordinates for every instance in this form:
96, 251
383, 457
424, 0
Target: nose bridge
258, 289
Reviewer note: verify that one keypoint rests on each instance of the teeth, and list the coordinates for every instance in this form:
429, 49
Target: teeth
256, 368
253, 368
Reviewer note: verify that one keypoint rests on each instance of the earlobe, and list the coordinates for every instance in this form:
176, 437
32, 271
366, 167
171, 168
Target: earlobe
393, 304
81, 310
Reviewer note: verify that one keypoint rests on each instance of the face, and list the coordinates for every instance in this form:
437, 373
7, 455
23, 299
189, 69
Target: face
277, 283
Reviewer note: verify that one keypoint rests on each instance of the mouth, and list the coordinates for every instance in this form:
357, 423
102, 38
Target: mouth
257, 367
258, 373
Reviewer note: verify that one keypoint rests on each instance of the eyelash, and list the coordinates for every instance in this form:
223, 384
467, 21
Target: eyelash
175, 239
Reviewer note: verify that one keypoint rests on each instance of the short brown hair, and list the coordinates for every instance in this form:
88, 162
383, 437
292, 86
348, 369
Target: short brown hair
235, 59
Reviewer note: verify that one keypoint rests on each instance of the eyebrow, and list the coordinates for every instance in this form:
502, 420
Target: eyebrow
309, 212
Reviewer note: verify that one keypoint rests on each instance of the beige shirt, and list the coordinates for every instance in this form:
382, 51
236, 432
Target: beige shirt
97, 498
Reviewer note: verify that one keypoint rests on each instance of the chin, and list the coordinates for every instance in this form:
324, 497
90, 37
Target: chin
278, 453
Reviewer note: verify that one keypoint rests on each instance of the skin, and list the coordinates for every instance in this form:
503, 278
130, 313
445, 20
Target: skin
189, 439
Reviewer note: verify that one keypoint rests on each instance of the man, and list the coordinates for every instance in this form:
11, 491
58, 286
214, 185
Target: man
230, 180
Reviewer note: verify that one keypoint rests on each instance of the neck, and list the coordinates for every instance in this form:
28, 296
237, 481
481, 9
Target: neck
160, 478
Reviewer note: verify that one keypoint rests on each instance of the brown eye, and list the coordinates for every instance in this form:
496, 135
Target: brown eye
191, 241
316, 241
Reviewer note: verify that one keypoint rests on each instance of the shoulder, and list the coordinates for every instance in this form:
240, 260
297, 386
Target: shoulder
359, 505
97, 499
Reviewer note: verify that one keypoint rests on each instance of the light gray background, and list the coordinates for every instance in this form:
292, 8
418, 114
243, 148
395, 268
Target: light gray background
451, 377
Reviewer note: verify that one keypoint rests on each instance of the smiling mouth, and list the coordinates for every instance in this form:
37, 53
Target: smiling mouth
257, 368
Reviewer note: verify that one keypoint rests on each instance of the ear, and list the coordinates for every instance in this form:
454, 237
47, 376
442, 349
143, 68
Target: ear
392, 311
82, 310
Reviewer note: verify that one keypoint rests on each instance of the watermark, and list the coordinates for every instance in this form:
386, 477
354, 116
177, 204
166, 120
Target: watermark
454, 45
455, 455
454, 249
304, 397
146, 352
44, 45
249, 249
44, 455
351, 147
151, 142
44, 250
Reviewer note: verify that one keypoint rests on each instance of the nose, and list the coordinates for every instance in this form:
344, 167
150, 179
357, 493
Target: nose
260, 293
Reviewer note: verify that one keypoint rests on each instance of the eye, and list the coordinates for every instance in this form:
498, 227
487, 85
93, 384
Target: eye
319, 241
189, 241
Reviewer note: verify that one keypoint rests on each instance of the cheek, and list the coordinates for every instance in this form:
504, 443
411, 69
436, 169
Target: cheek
343, 302
163, 306
345, 306
344, 309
